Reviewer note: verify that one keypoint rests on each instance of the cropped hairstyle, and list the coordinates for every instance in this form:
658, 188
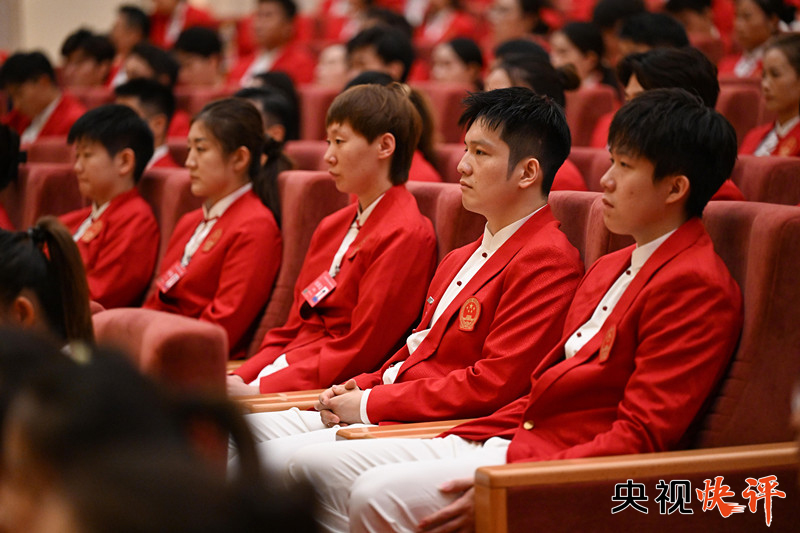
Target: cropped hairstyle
98, 47
116, 127
540, 75
45, 261
654, 30
372, 110
161, 61
532, 125
199, 41
288, 6
135, 18
25, 66
679, 135
390, 45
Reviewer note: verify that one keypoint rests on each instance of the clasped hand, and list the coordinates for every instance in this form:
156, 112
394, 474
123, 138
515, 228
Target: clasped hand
340, 404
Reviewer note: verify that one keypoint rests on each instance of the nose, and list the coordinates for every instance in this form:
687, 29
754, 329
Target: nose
463, 166
607, 181
329, 157
78, 165
190, 159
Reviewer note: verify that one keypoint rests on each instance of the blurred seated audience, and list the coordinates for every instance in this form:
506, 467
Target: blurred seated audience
170, 17
381, 49
580, 44
87, 59
609, 15
445, 20
199, 54
331, 70
131, 27
458, 61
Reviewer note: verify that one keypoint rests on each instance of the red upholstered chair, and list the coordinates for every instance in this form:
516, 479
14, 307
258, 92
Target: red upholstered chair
182, 351
45, 189
168, 191
592, 163
448, 155
768, 179
741, 105
446, 102
584, 108
760, 243
178, 149
314, 103
192, 99
92, 97
306, 198
712, 47
49, 150
307, 154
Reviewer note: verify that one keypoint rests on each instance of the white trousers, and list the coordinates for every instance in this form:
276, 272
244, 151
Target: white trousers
380, 485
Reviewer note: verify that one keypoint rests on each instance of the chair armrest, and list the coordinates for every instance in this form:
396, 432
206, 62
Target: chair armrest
551, 488
233, 365
278, 401
417, 430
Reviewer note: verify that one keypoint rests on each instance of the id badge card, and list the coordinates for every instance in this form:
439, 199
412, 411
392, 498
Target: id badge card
169, 278
319, 289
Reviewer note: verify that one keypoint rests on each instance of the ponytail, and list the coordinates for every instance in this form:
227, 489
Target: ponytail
265, 182
45, 261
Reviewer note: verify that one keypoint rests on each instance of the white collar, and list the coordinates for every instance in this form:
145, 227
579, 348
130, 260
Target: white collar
363, 215
493, 242
158, 153
222, 205
32, 132
782, 129
642, 253
97, 211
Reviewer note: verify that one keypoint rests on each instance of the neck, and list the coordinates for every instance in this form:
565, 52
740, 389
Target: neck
510, 214
211, 200
366, 199
47, 98
121, 188
786, 116
657, 230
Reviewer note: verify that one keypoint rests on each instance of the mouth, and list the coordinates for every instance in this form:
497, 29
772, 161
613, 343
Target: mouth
464, 184
606, 203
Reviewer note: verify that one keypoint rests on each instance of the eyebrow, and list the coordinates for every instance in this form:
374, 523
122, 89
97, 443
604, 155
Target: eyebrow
482, 142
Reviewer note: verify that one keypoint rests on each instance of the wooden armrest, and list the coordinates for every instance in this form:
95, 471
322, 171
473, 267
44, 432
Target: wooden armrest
550, 486
278, 401
233, 365
417, 430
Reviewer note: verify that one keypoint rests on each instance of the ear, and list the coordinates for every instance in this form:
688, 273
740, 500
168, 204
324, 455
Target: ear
395, 70
125, 161
277, 132
529, 173
386, 145
23, 311
679, 187
240, 159
158, 124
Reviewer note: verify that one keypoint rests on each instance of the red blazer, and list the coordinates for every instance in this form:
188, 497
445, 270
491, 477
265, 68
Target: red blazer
159, 22
422, 170
64, 116
727, 65
638, 384
293, 59
461, 25
788, 146
121, 256
378, 294
5, 222
600, 133
179, 125
230, 277
729, 191
524, 291
166, 161
568, 178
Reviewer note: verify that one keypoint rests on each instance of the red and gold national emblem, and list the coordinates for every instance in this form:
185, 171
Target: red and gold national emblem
608, 342
469, 314
212, 239
92, 231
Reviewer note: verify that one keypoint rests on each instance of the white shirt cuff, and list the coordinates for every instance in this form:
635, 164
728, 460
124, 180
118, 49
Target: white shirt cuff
363, 409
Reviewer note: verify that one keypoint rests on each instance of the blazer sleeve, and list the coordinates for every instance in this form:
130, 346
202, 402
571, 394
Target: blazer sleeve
535, 295
390, 293
687, 332
247, 275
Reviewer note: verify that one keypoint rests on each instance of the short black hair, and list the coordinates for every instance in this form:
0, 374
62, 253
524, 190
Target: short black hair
540, 75
274, 107
467, 50
783, 10
25, 66
607, 13
9, 155
157, 98
135, 18
288, 6
530, 124
686, 68
676, 6
159, 60
586, 37
116, 127
654, 30
282, 82
369, 77
98, 47
390, 45
520, 46
386, 17
199, 41
679, 135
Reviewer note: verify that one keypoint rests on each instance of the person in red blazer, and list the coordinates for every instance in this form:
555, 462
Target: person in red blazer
9, 168
273, 27
445, 20
756, 22
648, 323
41, 109
780, 86
482, 332
171, 17
117, 236
222, 259
367, 266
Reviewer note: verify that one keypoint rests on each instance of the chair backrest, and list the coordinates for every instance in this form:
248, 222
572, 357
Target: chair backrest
446, 103
49, 150
740, 104
178, 149
92, 97
584, 108
773, 179
46, 189
760, 244
307, 154
182, 351
592, 163
192, 99
168, 191
448, 155
454, 225
314, 103
306, 198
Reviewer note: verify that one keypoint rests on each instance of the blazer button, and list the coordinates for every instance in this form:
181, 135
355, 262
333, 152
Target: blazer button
527, 425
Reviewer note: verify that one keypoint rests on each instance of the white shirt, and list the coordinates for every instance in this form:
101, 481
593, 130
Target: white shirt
31, 133
176, 23
584, 333
262, 63
94, 215
280, 362
770, 142
489, 245
748, 63
158, 153
210, 217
